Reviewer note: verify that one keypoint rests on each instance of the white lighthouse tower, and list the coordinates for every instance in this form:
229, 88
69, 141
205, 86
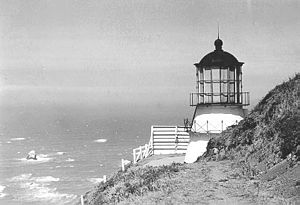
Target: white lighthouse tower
219, 98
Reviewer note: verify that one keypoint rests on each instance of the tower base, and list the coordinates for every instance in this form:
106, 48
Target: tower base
209, 121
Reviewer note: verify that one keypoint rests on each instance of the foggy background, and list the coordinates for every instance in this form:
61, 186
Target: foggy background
138, 54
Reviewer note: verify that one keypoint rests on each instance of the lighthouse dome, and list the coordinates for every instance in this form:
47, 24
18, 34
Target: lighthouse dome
219, 57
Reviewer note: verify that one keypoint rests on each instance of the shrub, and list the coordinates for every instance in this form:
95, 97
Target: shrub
135, 181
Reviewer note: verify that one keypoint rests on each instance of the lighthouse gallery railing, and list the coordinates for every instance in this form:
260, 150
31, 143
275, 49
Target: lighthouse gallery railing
242, 98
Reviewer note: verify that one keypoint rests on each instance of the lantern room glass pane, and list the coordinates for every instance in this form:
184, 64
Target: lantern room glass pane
231, 74
215, 74
224, 95
207, 88
216, 92
201, 75
224, 74
207, 75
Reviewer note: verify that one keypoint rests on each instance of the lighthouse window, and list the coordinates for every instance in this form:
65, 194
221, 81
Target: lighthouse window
224, 74
231, 86
207, 75
207, 88
216, 92
215, 75
231, 74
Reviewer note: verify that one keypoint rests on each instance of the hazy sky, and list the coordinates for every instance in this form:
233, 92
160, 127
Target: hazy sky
139, 51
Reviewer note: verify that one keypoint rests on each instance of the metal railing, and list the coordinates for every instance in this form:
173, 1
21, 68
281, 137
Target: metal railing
215, 127
226, 98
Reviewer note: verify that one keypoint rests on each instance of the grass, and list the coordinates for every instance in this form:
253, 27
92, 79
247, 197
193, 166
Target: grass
134, 181
268, 135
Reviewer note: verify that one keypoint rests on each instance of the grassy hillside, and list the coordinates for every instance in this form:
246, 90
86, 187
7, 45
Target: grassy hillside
135, 181
262, 165
269, 134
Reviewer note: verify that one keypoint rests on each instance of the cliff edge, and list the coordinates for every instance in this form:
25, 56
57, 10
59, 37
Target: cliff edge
254, 162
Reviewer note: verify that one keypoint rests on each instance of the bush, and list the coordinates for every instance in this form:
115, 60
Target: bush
289, 131
135, 181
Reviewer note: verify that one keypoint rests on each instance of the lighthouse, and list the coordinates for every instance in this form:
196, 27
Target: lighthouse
219, 99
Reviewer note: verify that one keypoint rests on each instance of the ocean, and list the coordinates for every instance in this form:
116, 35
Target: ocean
76, 145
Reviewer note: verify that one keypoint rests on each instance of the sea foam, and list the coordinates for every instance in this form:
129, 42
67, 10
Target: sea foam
46, 179
39, 189
17, 139
95, 180
100, 140
1, 191
21, 177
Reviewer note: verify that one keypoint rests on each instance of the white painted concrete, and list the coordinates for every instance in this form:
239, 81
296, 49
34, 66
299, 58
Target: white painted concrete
196, 148
214, 122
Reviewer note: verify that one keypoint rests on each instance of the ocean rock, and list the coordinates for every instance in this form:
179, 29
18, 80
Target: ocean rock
31, 155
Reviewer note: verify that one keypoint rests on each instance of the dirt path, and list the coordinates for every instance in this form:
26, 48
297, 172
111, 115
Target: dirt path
206, 183
229, 187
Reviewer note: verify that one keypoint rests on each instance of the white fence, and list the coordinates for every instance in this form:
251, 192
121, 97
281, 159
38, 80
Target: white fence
142, 152
169, 139
163, 140
175, 139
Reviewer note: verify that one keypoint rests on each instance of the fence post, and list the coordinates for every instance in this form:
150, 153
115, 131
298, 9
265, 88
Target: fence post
122, 165
176, 139
222, 125
141, 153
207, 126
146, 151
81, 200
133, 153
152, 139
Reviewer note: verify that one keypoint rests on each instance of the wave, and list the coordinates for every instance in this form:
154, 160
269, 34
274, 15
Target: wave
46, 179
21, 177
60, 153
37, 189
100, 140
2, 188
70, 160
17, 139
43, 155
95, 180
1, 191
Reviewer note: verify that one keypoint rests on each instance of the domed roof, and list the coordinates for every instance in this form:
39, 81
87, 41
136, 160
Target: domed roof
219, 57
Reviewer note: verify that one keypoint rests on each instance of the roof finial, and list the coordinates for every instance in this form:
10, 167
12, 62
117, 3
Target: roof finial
218, 31
218, 42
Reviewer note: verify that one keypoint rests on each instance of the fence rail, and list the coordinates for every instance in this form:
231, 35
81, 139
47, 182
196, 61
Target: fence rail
170, 139
163, 140
142, 152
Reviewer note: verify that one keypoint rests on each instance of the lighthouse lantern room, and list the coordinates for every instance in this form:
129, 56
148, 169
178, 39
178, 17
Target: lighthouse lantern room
219, 99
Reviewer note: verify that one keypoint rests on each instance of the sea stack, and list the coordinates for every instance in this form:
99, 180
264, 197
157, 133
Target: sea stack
31, 155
